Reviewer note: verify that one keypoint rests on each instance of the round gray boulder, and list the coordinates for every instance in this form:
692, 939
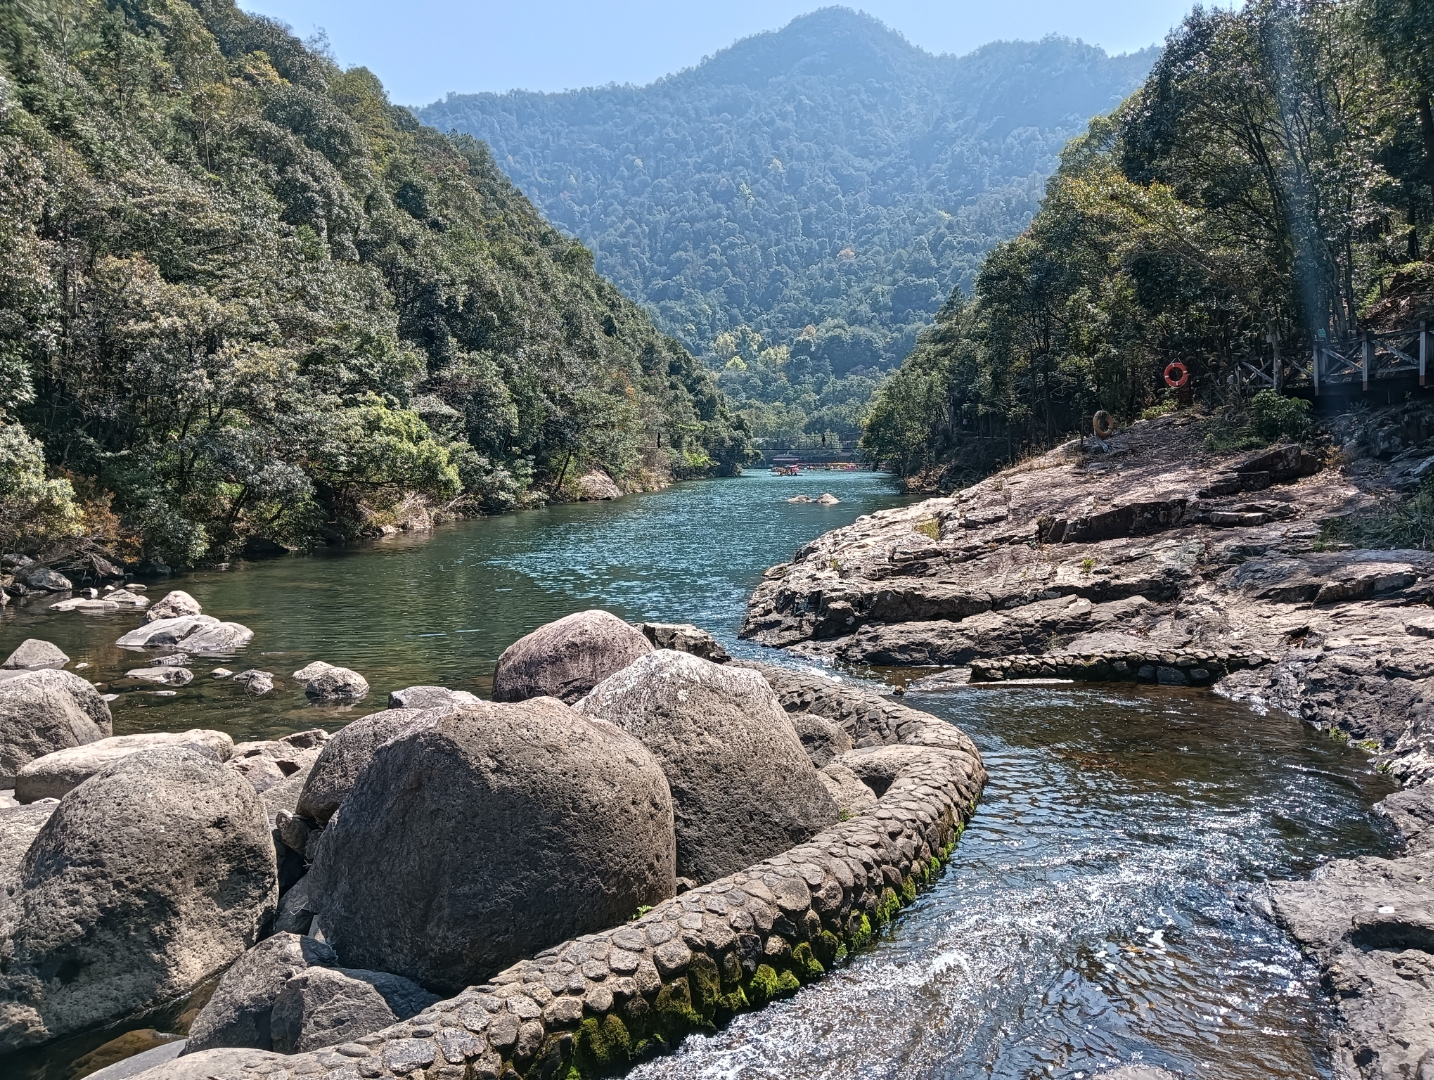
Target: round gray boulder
742, 786
485, 834
55, 775
150, 877
174, 605
567, 658
44, 711
346, 755
325, 682
324, 1006
238, 1012
34, 653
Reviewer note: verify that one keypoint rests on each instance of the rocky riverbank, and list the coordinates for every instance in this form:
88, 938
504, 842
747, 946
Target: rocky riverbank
1154, 559
452, 888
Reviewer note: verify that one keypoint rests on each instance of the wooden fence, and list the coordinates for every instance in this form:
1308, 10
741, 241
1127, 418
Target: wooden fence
1366, 356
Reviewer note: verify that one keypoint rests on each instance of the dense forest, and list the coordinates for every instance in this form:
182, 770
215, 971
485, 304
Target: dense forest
244, 298
796, 207
1274, 173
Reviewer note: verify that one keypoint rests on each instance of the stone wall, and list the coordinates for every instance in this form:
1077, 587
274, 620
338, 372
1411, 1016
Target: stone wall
1197, 667
595, 1003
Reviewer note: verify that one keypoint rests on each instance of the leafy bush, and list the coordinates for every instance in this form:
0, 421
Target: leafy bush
1278, 417
33, 510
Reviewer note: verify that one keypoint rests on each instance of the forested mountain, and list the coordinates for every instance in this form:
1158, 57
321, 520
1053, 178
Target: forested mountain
1277, 167
242, 295
806, 199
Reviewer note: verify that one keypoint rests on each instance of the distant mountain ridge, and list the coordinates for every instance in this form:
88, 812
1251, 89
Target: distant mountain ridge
826, 185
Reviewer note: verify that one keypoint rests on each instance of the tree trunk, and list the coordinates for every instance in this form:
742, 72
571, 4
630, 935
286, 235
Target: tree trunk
1426, 128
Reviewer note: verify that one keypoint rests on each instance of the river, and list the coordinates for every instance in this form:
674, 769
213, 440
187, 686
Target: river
1103, 907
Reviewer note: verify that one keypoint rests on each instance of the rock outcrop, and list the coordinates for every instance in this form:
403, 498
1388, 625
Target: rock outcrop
33, 653
484, 834
44, 711
596, 486
55, 775
567, 658
153, 875
742, 786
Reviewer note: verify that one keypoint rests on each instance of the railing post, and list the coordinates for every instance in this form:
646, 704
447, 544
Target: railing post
1423, 349
1366, 359
1314, 367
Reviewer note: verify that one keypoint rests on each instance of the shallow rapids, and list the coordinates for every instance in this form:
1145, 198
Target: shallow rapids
1102, 908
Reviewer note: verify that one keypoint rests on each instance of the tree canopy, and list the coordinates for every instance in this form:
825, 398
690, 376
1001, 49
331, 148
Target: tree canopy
1275, 173
821, 189
241, 294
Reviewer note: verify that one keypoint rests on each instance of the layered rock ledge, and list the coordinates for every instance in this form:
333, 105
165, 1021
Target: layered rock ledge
1158, 561
734, 943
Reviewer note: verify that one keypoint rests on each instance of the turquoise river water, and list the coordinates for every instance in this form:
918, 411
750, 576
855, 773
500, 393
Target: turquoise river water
1104, 907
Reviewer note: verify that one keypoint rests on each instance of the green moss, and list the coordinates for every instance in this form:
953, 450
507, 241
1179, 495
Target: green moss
931, 527
762, 987
807, 966
731, 971
734, 1002
706, 983
673, 1013
908, 890
933, 867
826, 946
787, 983
887, 908
601, 1045
841, 954
861, 933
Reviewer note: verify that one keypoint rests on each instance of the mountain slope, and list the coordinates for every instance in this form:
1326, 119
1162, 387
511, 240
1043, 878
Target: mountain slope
242, 295
825, 185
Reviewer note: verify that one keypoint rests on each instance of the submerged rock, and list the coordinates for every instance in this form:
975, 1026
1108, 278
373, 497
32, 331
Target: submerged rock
33, 654
162, 676
44, 711
325, 682
163, 632
151, 876
220, 639
567, 658
485, 834
742, 786
55, 775
254, 681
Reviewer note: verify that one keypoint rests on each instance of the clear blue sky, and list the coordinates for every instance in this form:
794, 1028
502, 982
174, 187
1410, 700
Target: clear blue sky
422, 49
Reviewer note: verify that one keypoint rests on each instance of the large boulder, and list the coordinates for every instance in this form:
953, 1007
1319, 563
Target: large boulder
324, 1006
345, 756
237, 1014
567, 658
151, 876
742, 786
45, 580
175, 605
222, 1063
19, 825
325, 682
221, 639
164, 632
488, 833
54, 775
44, 711
34, 653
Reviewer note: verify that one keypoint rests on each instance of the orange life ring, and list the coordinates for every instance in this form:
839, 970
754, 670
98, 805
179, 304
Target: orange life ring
1184, 374
1102, 424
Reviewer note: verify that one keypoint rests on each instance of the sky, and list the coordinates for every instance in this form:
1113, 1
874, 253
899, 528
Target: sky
422, 49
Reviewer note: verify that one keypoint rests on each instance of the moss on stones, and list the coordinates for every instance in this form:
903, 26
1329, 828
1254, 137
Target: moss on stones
763, 986
908, 890
860, 932
887, 907
673, 1013
826, 947
706, 984
807, 966
601, 1045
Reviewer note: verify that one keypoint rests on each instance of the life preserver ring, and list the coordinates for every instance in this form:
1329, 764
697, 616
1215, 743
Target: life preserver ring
1180, 377
1102, 424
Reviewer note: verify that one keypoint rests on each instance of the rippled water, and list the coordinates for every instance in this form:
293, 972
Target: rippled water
1097, 911
440, 608
1102, 907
